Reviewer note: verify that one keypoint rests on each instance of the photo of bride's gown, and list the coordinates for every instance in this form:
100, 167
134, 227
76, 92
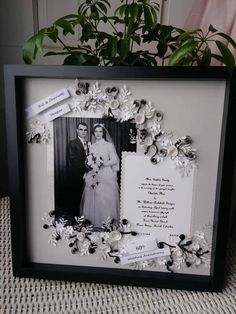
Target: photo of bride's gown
100, 198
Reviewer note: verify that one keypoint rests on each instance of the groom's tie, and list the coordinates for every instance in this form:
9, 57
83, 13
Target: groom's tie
85, 147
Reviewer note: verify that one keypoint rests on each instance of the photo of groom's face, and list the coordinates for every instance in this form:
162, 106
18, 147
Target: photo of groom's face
82, 130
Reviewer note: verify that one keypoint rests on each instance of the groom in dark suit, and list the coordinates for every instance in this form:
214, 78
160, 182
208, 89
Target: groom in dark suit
77, 152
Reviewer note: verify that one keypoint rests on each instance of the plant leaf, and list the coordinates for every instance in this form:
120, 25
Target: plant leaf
212, 29
134, 10
228, 58
182, 37
81, 58
120, 10
66, 26
86, 31
32, 46
154, 14
112, 46
52, 33
147, 17
206, 57
227, 37
181, 52
102, 7
124, 48
217, 57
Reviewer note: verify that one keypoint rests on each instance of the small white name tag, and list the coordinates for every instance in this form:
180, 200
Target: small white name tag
141, 244
47, 102
142, 249
54, 113
138, 257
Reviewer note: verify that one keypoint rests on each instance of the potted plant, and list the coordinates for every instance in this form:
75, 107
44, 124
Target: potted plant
130, 25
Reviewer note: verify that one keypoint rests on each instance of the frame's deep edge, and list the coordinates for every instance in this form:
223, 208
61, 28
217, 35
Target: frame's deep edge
21, 265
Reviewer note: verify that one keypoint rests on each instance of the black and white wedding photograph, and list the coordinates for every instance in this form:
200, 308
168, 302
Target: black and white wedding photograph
87, 155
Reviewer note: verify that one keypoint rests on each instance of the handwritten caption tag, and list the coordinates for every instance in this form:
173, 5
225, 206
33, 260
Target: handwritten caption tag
47, 102
54, 113
141, 250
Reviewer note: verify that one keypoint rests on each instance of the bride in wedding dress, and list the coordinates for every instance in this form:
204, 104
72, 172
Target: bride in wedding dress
100, 198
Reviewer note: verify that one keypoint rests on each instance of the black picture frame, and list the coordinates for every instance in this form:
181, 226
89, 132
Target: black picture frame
22, 267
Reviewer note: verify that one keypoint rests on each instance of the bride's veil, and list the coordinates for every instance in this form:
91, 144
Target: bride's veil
108, 139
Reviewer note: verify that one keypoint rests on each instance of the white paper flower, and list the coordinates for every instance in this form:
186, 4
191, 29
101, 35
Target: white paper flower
124, 94
103, 251
84, 247
104, 235
198, 261
48, 219
37, 127
148, 110
161, 261
80, 236
68, 231
172, 152
148, 141
139, 118
154, 128
95, 237
199, 235
178, 252
46, 136
195, 246
60, 228
115, 235
114, 104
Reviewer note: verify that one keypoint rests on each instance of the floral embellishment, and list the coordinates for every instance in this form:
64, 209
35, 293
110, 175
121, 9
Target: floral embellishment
81, 87
148, 141
115, 235
114, 104
112, 91
109, 241
172, 152
38, 133
139, 118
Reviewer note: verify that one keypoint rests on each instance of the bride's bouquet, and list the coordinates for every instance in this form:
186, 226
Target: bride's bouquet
94, 161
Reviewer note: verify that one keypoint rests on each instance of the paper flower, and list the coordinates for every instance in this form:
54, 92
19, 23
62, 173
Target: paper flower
148, 141
115, 235
80, 236
173, 152
139, 118
114, 104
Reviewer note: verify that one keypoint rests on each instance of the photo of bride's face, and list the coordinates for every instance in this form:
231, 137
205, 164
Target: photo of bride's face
98, 133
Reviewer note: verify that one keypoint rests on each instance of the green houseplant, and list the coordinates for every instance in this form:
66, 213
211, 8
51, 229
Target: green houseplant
132, 24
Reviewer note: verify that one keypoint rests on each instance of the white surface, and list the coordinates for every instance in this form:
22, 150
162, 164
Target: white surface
190, 108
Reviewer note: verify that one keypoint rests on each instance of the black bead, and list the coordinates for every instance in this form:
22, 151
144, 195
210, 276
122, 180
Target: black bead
45, 226
169, 263
188, 264
91, 250
124, 222
160, 245
71, 244
182, 237
74, 250
133, 233
117, 260
153, 160
58, 237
